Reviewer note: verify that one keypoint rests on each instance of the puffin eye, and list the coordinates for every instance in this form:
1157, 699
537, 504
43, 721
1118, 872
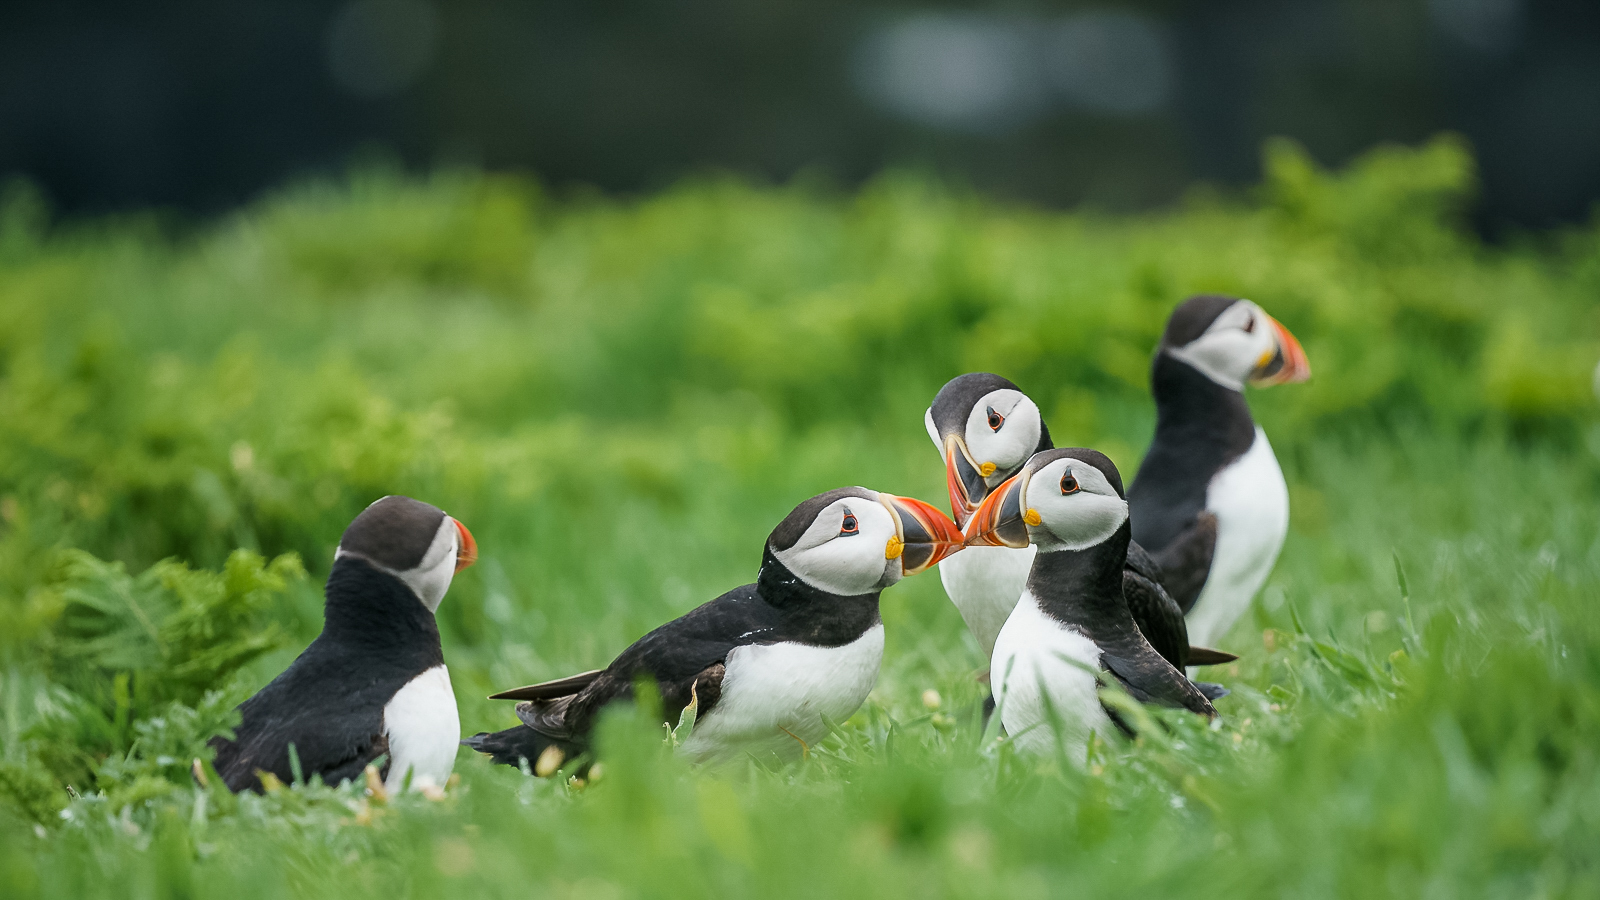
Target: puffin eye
995, 420
1069, 484
850, 527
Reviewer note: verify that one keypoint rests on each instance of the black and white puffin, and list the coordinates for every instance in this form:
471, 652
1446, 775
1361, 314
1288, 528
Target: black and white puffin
768, 664
1210, 502
1072, 620
373, 684
986, 429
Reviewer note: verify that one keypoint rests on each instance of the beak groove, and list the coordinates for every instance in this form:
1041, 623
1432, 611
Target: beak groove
467, 551
1288, 363
1001, 521
964, 478
926, 535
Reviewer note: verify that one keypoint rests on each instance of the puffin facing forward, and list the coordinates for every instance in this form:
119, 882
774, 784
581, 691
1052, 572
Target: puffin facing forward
1072, 627
373, 684
986, 428
770, 663
1210, 502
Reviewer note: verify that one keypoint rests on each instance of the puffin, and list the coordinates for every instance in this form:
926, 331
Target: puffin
1209, 502
766, 665
1071, 629
372, 689
986, 429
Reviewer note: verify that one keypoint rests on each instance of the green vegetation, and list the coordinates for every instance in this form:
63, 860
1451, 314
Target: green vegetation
621, 398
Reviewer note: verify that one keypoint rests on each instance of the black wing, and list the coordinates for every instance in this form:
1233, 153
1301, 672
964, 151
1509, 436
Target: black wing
1157, 615
684, 657
1150, 679
1186, 562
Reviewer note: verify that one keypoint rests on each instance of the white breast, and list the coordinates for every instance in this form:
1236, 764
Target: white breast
1251, 503
423, 730
984, 584
775, 693
1041, 665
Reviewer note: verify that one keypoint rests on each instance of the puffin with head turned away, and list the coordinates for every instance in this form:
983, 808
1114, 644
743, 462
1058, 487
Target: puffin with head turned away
373, 687
986, 429
769, 664
1071, 630
1210, 502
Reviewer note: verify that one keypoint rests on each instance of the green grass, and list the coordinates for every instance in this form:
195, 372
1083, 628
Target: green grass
621, 398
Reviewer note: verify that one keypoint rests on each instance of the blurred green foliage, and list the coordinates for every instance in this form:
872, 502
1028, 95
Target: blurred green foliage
621, 397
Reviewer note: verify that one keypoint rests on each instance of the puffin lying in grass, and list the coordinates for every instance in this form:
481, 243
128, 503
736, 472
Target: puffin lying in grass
769, 664
373, 687
986, 428
1071, 629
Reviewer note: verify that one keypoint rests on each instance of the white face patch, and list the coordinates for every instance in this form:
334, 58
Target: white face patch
1013, 442
1235, 344
831, 557
1078, 520
431, 578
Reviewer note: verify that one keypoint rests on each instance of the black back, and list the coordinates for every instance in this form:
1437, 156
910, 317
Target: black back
1201, 427
377, 636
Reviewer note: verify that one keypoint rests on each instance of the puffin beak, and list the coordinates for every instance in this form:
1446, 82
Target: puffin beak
964, 477
467, 550
1287, 363
923, 534
999, 521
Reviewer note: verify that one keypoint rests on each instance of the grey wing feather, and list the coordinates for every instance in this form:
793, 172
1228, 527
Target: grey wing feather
549, 690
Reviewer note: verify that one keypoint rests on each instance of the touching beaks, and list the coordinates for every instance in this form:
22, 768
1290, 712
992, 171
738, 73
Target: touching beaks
1000, 519
965, 479
923, 534
1287, 363
467, 550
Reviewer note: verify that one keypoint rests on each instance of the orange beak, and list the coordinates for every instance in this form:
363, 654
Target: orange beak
999, 520
467, 552
925, 534
964, 479
1288, 362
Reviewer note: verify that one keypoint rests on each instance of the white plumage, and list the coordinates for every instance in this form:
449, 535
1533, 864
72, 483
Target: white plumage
984, 584
424, 731
1251, 502
776, 695
1036, 658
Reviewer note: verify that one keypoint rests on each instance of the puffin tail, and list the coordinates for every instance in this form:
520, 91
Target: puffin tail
516, 746
1212, 691
1205, 656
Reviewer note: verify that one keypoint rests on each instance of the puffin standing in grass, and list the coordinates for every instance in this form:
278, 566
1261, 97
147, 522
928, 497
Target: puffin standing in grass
1071, 629
373, 687
769, 664
986, 429
1210, 502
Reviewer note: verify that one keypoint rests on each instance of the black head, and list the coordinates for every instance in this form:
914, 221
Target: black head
1233, 342
412, 540
985, 427
853, 541
1066, 499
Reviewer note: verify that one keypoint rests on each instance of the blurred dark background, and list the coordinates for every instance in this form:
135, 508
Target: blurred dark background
200, 104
